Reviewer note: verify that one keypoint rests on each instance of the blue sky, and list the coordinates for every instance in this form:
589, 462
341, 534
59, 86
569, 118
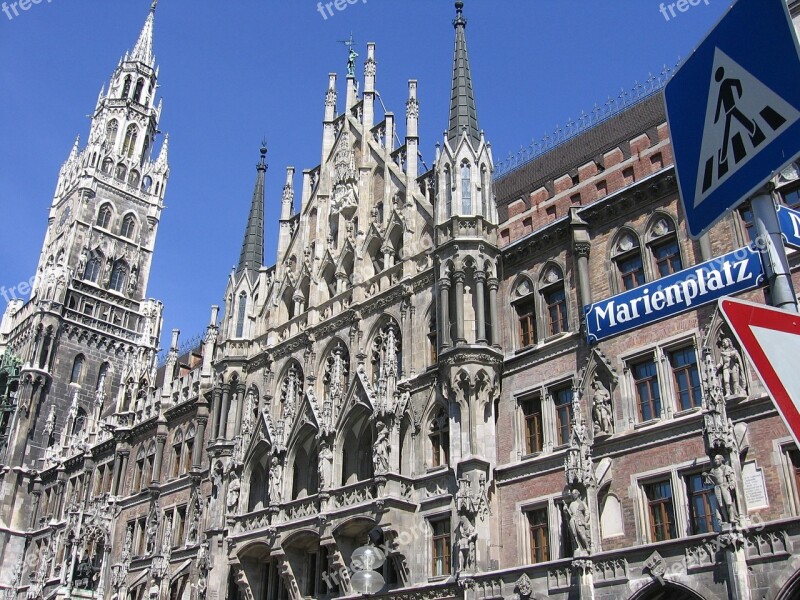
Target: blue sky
235, 72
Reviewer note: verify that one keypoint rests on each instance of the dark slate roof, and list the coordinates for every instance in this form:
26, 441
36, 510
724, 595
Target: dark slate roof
619, 129
463, 114
252, 256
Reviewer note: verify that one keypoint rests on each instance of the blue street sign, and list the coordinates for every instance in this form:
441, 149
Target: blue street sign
734, 272
734, 110
789, 220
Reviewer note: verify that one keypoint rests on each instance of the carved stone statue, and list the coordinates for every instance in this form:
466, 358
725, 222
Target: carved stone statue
730, 369
325, 465
466, 545
381, 450
234, 487
85, 574
275, 481
723, 478
577, 515
602, 415
152, 529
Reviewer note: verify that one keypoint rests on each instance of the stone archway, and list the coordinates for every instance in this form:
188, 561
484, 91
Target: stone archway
666, 591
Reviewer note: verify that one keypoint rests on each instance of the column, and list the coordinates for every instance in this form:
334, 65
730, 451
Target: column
115, 475
459, 277
239, 399
161, 439
480, 283
226, 407
217, 408
197, 451
123, 470
493, 326
582, 253
444, 304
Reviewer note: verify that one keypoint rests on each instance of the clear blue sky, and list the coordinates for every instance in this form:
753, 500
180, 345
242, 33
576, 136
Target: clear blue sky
233, 72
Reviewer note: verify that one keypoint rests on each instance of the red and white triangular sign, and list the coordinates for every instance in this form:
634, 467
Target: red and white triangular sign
771, 338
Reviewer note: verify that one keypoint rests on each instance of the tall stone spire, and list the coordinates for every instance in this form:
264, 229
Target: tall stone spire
252, 256
143, 50
463, 114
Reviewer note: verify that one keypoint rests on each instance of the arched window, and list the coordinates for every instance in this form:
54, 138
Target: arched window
145, 149
108, 166
628, 259
525, 307
133, 178
128, 226
92, 270
121, 172
439, 436
240, 314
466, 189
77, 369
130, 140
137, 92
432, 338
126, 87
484, 192
102, 375
138, 471
150, 461
555, 300
104, 216
147, 183
448, 192
111, 133
664, 247
119, 274
188, 449
177, 449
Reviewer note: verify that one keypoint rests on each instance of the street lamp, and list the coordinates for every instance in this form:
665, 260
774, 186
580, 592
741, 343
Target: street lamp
365, 580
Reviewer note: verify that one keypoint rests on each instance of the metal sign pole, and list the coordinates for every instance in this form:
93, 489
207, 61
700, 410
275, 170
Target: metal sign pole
773, 253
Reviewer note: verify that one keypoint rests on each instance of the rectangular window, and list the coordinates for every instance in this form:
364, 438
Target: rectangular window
631, 271
746, 213
687, 378
668, 257
648, 395
526, 312
702, 505
539, 533
141, 526
562, 399
556, 300
180, 526
440, 548
662, 511
534, 439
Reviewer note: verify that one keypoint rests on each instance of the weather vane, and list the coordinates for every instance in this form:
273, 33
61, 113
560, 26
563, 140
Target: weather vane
351, 56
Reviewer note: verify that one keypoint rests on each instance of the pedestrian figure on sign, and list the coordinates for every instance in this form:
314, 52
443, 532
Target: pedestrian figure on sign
730, 91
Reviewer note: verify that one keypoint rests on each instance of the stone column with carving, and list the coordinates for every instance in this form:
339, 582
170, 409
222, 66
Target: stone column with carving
494, 327
444, 313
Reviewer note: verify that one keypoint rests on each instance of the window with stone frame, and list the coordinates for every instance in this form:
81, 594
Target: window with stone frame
702, 505
433, 339
188, 449
128, 226
538, 534
241, 313
660, 510
664, 247
647, 389
104, 216
440, 547
554, 297
91, 272
138, 471
533, 429
179, 524
76, 376
119, 275
562, 403
627, 257
177, 450
792, 455
439, 436
686, 377
526, 316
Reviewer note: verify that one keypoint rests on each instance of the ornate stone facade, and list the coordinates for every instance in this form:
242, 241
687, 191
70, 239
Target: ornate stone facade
412, 372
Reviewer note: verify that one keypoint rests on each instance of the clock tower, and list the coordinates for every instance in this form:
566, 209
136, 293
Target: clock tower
85, 344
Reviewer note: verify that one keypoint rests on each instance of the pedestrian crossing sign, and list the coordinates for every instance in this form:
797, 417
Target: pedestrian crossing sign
734, 110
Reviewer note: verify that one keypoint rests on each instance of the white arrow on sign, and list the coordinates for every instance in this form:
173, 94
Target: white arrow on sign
771, 339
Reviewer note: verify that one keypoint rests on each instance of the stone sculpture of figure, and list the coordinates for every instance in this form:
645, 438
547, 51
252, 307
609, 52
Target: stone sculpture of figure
234, 486
601, 408
194, 527
325, 465
351, 62
203, 554
380, 455
577, 514
466, 545
84, 574
82, 260
723, 478
152, 529
730, 369
275, 481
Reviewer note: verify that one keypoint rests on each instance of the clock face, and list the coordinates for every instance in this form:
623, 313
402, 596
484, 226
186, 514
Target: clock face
64, 216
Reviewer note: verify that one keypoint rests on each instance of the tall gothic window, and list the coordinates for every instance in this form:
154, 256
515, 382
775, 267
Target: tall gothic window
126, 87
440, 439
664, 247
240, 315
628, 258
128, 226
119, 273
137, 93
130, 140
466, 189
555, 300
104, 216
448, 192
484, 192
92, 270
77, 369
111, 133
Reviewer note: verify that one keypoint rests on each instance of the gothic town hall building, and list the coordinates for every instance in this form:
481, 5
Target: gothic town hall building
413, 369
